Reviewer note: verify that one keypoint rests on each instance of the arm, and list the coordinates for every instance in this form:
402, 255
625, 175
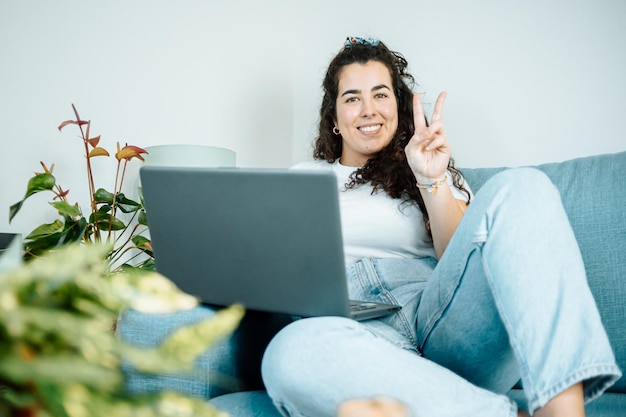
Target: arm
445, 213
428, 155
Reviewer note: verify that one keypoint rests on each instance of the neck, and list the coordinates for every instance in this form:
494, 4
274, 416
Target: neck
352, 162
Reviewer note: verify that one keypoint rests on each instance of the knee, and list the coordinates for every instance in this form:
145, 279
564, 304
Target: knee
522, 178
302, 345
302, 339
522, 185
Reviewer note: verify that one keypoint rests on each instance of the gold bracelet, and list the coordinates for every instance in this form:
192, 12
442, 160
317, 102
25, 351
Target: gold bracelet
433, 186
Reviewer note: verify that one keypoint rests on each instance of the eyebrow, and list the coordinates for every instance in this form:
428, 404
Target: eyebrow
375, 88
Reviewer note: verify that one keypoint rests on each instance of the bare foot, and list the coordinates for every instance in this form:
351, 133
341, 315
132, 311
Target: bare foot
373, 407
569, 403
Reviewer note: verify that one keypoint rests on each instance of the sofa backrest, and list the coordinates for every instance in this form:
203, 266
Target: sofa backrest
593, 191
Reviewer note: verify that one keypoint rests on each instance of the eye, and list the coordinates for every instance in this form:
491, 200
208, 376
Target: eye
352, 99
381, 95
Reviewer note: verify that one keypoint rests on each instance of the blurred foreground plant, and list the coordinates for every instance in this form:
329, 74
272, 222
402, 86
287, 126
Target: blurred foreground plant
100, 222
58, 355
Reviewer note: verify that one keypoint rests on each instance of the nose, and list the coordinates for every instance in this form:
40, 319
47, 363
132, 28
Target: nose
368, 107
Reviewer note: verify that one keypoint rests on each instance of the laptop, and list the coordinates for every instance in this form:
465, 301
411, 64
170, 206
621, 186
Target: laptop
269, 239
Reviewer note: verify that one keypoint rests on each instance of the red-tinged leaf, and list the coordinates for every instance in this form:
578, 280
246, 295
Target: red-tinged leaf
46, 169
98, 152
142, 243
94, 141
61, 193
72, 122
129, 152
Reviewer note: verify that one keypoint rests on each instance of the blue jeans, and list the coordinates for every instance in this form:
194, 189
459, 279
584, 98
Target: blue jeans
507, 301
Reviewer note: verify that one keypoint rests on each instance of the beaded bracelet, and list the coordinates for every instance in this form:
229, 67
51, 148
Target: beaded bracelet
433, 186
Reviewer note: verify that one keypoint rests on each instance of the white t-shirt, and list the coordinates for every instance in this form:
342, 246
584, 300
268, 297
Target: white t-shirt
376, 225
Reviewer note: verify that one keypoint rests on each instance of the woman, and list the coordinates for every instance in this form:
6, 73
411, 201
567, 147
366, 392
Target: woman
492, 292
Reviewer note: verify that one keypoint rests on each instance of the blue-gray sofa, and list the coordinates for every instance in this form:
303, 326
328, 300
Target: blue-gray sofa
593, 190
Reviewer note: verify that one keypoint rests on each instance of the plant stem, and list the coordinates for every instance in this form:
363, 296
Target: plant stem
94, 208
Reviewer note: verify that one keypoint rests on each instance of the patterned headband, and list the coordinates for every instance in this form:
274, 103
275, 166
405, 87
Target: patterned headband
353, 40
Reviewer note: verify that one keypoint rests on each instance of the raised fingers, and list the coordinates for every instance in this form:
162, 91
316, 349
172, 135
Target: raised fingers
438, 112
419, 120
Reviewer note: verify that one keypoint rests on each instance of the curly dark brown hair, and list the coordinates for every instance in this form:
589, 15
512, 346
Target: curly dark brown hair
388, 170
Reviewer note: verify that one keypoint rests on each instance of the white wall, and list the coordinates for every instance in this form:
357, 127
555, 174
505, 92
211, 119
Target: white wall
146, 72
528, 82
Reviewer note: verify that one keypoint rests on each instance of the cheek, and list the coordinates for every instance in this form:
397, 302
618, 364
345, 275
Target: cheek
391, 115
345, 116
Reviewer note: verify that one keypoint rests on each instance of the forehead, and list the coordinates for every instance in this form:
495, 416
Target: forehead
364, 76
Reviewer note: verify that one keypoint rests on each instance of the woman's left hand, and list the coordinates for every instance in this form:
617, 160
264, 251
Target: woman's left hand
428, 151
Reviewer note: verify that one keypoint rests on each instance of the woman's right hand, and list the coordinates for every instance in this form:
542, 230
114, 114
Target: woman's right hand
428, 152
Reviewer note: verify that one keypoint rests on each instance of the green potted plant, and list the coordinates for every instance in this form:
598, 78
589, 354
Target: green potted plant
103, 221
58, 355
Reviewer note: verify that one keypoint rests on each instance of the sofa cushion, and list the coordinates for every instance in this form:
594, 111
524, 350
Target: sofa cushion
246, 404
593, 191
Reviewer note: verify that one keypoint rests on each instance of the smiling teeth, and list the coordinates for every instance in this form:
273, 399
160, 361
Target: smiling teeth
369, 128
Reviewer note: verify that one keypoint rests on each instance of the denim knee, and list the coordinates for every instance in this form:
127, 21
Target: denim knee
525, 182
301, 346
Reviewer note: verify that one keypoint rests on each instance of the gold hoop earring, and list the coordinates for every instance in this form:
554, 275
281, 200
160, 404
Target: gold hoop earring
336, 130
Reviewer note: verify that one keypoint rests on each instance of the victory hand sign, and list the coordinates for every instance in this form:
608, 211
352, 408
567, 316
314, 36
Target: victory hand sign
428, 152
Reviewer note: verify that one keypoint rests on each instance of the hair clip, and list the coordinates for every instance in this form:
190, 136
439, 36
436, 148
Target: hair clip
353, 40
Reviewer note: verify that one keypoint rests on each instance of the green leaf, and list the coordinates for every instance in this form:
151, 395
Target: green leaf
142, 243
105, 208
107, 222
55, 234
103, 196
14, 209
58, 369
53, 396
140, 240
16, 399
148, 265
125, 204
45, 230
40, 246
74, 230
40, 182
143, 218
66, 209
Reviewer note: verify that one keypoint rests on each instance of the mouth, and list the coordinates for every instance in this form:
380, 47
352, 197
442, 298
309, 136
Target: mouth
369, 129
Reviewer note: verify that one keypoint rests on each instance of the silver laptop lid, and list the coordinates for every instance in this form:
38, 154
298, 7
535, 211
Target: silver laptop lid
267, 238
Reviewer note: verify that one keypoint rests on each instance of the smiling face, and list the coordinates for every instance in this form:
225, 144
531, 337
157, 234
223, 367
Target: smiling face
367, 111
